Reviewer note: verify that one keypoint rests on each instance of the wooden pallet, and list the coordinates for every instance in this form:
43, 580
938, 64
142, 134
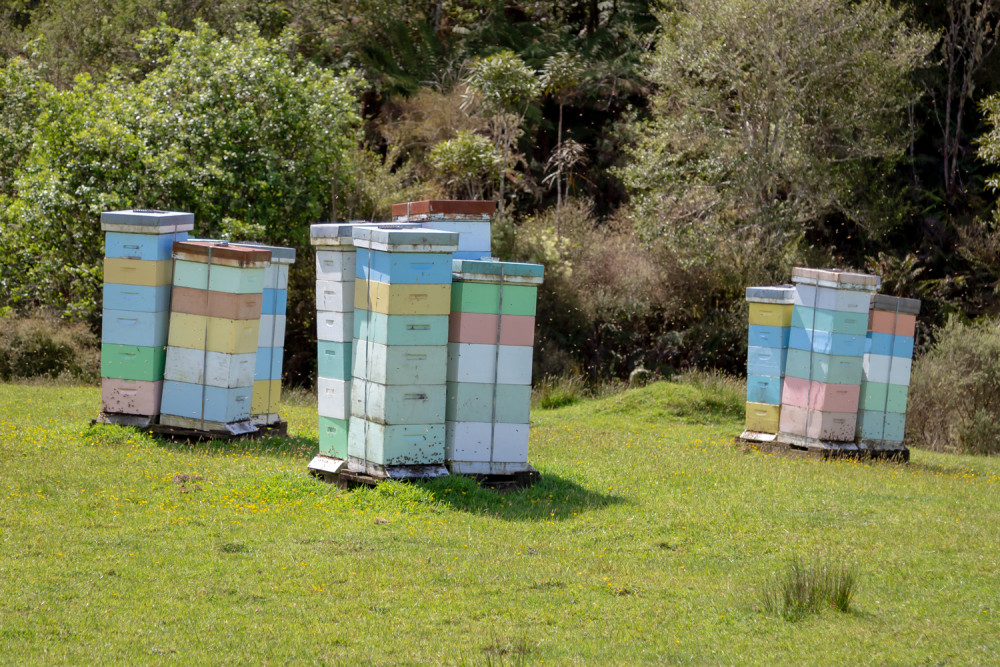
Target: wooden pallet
279, 429
823, 453
508, 482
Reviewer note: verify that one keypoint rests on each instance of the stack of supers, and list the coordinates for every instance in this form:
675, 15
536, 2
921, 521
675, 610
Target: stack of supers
271, 339
137, 275
214, 329
886, 373
335, 262
470, 219
403, 280
767, 345
490, 347
825, 353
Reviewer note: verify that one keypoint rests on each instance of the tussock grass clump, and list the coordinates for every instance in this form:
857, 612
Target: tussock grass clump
558, 392
807, 588
954, 401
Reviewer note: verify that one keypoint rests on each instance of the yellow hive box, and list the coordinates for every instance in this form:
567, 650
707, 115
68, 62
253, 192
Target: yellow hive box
225, 336
263, 403
138, 271
379, 297
771, 314
762, 417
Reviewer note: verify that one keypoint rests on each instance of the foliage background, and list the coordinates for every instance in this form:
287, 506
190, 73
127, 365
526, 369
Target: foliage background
665, 156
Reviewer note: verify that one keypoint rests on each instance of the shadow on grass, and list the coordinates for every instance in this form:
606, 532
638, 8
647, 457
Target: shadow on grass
292, 446
553, 498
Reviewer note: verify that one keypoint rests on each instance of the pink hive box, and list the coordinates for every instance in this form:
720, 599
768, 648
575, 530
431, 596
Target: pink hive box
131, 397
820, 395
835, 426
480, 328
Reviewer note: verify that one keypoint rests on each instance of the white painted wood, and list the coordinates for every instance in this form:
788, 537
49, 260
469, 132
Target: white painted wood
215, 369
334, 326
336, 265
272, 331
334, 398
334, 296
473, 362
400, 364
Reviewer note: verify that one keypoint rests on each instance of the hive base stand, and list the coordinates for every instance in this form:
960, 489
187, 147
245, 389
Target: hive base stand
145, 424
899, 454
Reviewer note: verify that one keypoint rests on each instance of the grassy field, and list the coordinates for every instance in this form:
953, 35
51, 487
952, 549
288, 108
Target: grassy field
646, 541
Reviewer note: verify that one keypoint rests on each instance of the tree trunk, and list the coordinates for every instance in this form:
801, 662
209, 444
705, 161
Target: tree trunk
559, 176
333, 199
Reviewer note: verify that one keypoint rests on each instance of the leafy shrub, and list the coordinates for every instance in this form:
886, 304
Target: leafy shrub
954, 401
804, 588
45, 346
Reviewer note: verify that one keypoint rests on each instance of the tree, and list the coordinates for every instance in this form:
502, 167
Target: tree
561, 77
468, 162
235, 130
22, 94
772, 115
505, 87
970, 35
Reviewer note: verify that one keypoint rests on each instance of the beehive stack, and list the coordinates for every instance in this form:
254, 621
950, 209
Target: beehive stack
402, 282
767, 346
490, 347
823, 367
470, 219
137, 276
271, 339
886, 372
214, 331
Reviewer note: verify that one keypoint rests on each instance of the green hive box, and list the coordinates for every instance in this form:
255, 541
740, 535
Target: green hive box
132, 362
484, 298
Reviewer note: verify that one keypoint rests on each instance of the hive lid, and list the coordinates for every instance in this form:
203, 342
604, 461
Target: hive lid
405, 238
775, 294
147, 221
493, 270
836, 278
444, 209
222, 253
342, 233
895, 304
279, 254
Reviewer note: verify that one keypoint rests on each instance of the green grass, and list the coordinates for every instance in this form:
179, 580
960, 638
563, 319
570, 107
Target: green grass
647, 540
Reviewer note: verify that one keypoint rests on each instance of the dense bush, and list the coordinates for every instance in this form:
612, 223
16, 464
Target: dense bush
44, 346
954, 402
